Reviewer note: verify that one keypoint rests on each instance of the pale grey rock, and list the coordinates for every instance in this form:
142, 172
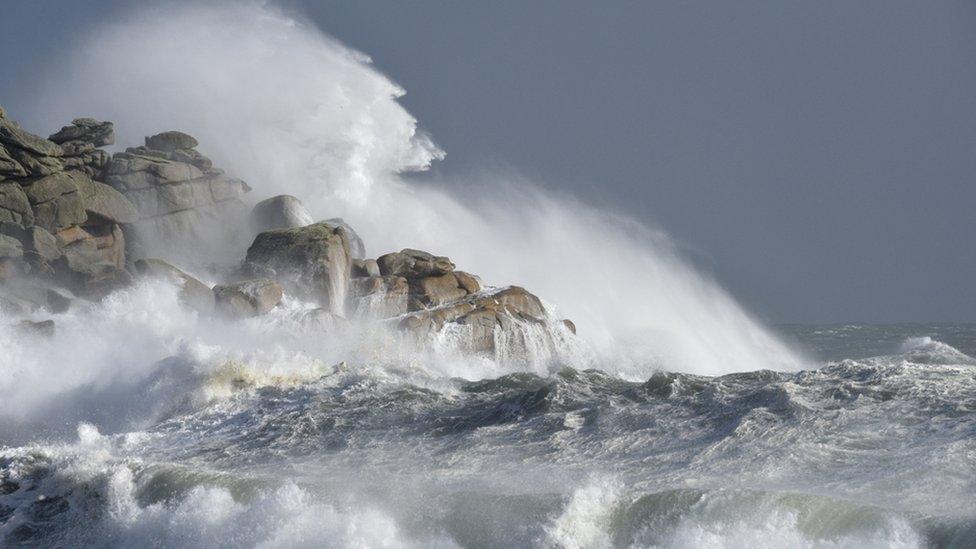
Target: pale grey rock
357, 250
12, 134
84, 270
36, 165
9, 167
279, 212
10, 247
104, 202
86, 130
14, 204
194, 295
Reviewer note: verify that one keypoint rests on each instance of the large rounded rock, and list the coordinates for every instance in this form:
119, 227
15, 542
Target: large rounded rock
171, 141
357, 249
411, 263
107, 203
247, 298
312, 261
279, 212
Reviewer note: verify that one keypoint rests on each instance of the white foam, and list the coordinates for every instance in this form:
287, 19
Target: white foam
293, 111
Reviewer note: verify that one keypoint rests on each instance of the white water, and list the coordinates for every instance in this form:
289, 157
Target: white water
290, 110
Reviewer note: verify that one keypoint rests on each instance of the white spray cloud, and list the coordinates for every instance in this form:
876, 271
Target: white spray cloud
291, 110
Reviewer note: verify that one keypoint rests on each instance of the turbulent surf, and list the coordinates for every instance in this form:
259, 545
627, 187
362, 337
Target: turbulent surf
181, 367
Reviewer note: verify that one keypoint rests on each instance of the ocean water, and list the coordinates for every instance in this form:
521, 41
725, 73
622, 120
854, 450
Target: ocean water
873, 446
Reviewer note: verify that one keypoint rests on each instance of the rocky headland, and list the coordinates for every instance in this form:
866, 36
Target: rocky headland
78, 223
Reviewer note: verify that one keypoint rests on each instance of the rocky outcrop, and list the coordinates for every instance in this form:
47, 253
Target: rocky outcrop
183, 202
67, 222
75, 221
482, 315
80, 141
312, 262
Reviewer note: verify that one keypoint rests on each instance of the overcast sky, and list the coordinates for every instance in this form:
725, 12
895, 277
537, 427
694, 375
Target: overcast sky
818, 157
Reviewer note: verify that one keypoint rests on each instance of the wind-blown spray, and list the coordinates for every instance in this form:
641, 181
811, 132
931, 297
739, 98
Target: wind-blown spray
291, 110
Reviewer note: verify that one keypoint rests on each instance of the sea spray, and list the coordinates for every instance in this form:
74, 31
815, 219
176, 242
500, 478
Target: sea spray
292, 111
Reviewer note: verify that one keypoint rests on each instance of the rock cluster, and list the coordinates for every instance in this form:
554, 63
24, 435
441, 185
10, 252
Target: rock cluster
76, 222
58, 223
183, 202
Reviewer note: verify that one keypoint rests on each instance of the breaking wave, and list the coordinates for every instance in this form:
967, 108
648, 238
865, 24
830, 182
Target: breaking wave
293, 111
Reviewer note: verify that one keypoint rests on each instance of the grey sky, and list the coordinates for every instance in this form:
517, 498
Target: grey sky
818, 157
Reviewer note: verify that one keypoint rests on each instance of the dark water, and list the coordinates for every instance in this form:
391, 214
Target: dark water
828, 342
874, 448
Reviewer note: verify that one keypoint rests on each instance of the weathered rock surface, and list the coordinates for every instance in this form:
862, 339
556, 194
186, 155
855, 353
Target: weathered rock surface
247, 298
83, 269
193, 294
279, 212
467, 281
13, 136
14, 205
182, 203
365, 268
312, 261
483, 315
414, 264
86, 130
56, 201
104, 201
357, 250
171, 141
10, 248
377, 297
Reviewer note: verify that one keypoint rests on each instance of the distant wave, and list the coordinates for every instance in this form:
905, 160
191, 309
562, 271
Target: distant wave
925, 350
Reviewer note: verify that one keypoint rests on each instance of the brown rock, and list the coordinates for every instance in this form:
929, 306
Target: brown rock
312, 261
434, 290
247, 298
468, 282
377, 297
365, 268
